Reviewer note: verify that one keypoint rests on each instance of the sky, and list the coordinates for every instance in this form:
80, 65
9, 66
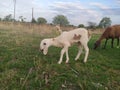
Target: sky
76, 11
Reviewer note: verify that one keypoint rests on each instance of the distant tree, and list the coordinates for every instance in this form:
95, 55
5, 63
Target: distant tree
33, 20
71, 25
8, 18
41, 20
22, 19
91, 25
81, 26
61, 20
105, 22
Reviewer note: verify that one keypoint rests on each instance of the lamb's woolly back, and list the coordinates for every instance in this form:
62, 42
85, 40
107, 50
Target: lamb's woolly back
67, 36
70, 34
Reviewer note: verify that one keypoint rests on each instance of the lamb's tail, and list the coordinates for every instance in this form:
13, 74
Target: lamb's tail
59, 29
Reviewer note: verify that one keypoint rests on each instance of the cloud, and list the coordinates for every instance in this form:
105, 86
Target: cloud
118, 1
105, 10
5, 8
76, 12
101, 6
23, 7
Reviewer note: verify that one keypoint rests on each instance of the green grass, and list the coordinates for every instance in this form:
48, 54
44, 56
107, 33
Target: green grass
23, 67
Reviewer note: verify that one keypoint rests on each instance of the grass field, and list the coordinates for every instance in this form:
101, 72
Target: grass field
23, 67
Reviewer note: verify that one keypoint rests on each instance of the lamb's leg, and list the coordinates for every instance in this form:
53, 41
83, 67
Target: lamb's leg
79, 52
67, 56
86, 53
61, 56
65, 49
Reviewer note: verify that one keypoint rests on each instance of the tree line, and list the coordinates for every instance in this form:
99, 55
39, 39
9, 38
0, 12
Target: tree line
61, 20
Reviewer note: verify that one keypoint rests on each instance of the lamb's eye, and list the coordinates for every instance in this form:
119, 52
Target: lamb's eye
44, 43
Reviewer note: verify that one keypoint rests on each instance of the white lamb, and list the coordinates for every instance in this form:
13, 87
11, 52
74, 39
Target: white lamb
65, 40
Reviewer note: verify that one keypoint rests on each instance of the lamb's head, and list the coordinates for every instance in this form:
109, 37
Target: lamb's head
44, 45
97, 44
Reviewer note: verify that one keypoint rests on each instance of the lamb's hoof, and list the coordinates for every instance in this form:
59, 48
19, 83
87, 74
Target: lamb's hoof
66, 62
76, 59
84, 62
59, 62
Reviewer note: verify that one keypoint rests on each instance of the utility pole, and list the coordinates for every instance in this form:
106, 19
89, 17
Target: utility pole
14, 8
32, 13
33, 20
